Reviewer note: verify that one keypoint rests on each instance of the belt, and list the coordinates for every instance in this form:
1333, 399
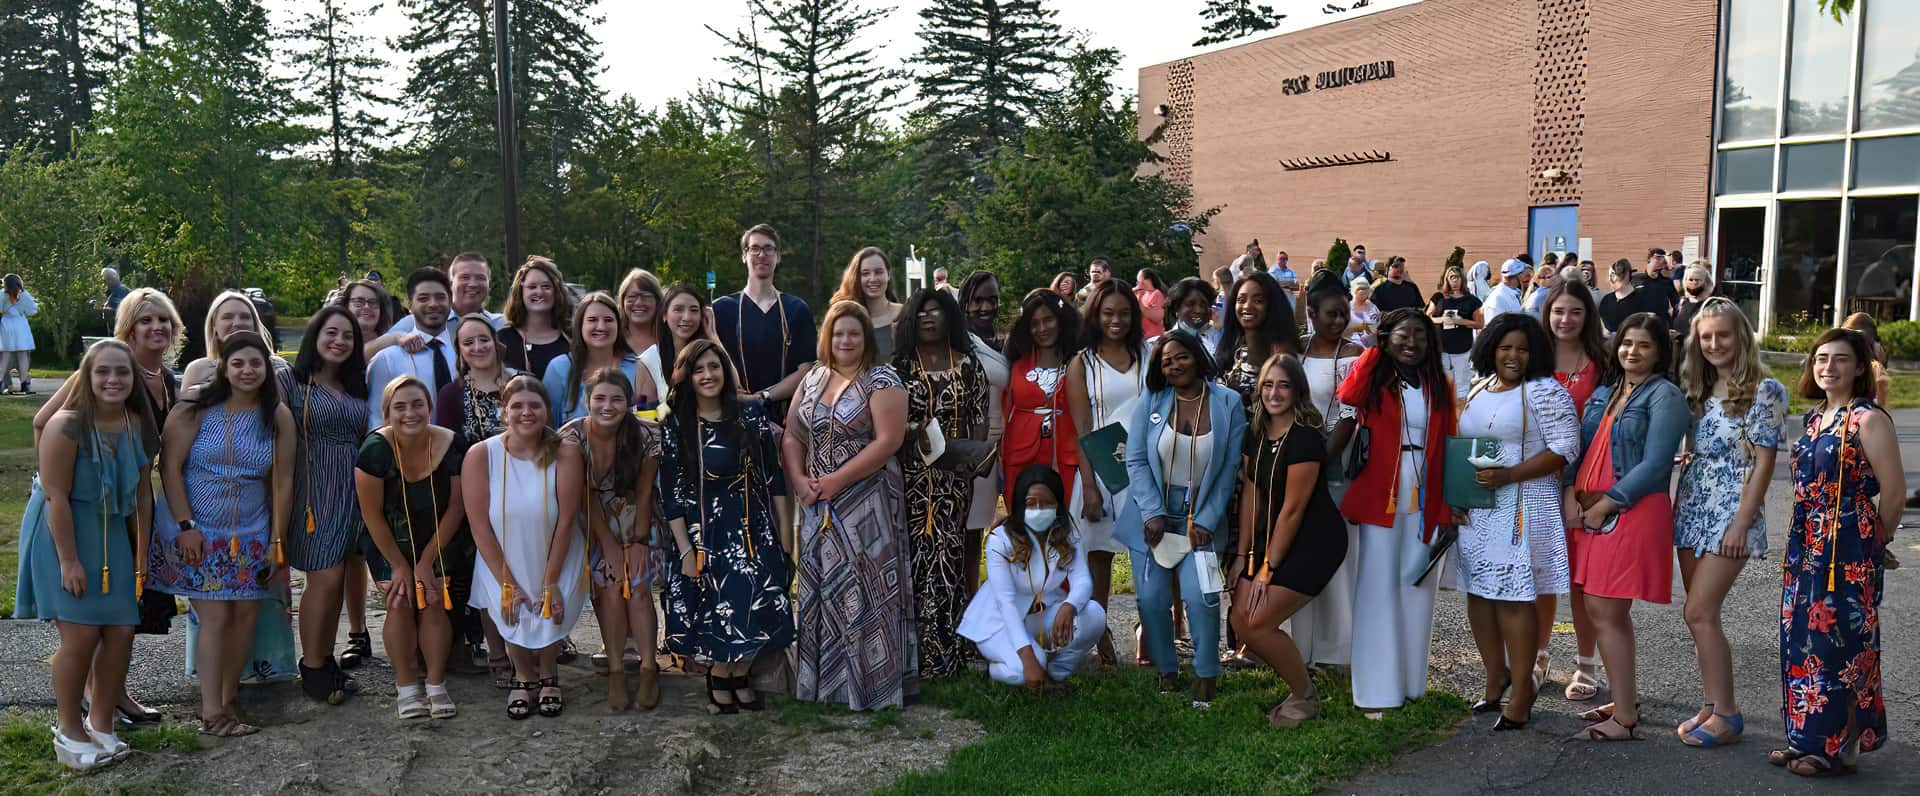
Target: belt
1411, 448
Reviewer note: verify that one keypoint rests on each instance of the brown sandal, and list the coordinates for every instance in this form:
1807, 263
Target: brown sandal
1598, 731
1817, 767
1293, 712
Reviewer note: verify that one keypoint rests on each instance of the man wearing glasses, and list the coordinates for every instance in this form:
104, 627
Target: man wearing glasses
769, 334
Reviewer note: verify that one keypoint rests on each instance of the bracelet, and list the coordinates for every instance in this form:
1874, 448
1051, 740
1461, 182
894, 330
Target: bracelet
685, 553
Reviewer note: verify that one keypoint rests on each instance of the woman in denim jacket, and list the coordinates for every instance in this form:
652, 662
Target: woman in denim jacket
1183, 460
1630, 431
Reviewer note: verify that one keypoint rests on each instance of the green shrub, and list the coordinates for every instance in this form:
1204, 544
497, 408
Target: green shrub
1338, 255
1901, 339
1790, 344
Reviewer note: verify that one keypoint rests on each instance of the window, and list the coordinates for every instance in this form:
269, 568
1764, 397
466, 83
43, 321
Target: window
1746, 170
1812, 167
1750, 97
1821, 54
1890, 66
1806, 256
1886, 162
1880, 256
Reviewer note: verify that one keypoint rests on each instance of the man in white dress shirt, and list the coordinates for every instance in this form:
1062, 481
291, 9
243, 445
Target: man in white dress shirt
429, 293
1505, 297
472, 284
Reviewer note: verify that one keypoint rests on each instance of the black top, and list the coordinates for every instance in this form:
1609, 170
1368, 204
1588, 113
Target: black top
1657, 296
1266, 467
516, 354
1614, 309
1389, 296
1459, 339
1683, 315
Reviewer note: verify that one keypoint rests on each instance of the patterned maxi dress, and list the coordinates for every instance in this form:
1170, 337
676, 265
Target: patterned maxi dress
330, 426
737, 608
937, 503
856, 642
1830, 601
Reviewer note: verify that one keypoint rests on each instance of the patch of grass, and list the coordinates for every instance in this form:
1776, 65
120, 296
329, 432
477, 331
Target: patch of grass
811, 716
16, 420
1903, 394
1116, 733
27, 763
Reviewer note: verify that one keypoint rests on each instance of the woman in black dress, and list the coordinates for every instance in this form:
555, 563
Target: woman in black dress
538, 311
1292, 536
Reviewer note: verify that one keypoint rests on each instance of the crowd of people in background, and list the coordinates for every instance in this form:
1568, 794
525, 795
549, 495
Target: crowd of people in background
738, 490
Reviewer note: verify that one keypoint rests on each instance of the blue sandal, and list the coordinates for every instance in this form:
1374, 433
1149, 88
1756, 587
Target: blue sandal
1700, 738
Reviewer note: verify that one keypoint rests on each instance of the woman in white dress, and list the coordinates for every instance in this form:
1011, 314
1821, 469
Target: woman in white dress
1323, 630
1404, 403
1517, 550
1102, 382
1035, 619
532, 575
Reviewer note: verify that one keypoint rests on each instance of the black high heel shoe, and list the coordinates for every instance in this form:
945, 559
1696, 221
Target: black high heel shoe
744, 684
1491, 705
1504, 724
717, 685
359, 649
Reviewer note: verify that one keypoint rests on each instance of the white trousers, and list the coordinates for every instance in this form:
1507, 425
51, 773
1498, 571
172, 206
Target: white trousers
1003, 656
1460, 368
1395, 618
1323, 630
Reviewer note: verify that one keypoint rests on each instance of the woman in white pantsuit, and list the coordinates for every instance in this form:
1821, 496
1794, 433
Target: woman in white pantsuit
1406, 411
1031, 631
1324, 629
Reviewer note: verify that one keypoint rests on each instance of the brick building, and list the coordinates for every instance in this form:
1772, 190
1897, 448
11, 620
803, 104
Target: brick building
1599, 126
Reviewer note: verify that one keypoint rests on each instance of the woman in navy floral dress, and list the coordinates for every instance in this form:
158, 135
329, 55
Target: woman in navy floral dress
1848, 486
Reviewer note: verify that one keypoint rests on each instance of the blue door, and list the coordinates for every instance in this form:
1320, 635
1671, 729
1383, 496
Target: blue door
1553, 229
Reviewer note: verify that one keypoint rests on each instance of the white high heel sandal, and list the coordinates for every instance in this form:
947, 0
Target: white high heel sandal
77, 754
109, 743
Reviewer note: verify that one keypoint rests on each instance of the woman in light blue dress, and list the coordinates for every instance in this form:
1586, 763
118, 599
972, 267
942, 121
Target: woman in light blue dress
16, 337
224, 549
77, 565
1720, 521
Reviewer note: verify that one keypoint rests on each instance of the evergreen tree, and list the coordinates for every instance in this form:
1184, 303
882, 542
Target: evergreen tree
988, 65
342, 83
452, 90
807, 89
1230, 19
52, 62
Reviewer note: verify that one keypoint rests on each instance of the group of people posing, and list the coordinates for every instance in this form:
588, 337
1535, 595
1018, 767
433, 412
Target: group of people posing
814, 502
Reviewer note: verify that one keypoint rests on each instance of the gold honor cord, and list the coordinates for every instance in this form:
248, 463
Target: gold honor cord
100, 465
413, 536
506, 589
1839, 492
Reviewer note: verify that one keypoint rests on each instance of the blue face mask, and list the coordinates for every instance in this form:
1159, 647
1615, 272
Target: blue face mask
1039, 520
1191, 329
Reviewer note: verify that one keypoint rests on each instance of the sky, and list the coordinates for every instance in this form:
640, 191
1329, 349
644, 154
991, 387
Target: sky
656, 50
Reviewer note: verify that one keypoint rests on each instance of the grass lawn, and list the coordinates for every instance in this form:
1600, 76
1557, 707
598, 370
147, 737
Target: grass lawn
27, 764
1116, 733
1904, 394
16, 480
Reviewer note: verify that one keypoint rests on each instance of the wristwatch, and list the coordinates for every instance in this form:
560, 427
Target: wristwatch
187, 525
765, 398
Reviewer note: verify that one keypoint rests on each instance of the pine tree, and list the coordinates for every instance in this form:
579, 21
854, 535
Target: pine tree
988, 65
342, 83
52, 63
808, 89
557, 105
1230, 19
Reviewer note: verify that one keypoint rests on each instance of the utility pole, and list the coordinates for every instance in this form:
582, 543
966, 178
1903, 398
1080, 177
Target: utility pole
509, 142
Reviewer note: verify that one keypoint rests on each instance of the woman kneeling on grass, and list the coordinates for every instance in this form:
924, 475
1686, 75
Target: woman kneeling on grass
1289, 524
408, 480
1035, 619
77, 567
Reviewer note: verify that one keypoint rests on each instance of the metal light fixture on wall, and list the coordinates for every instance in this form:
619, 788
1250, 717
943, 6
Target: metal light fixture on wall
1162, 110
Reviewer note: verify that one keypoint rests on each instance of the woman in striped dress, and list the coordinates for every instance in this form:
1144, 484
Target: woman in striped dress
326, 394
224, 545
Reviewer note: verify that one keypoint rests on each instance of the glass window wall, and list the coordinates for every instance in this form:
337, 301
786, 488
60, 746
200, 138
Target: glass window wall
1880, 243
1819, 64
1750, 90
1890, 65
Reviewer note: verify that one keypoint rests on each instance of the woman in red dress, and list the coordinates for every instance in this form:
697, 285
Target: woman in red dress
1039, 429
1573, 323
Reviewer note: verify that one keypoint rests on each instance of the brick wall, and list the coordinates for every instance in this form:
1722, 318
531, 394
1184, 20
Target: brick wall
1460, 124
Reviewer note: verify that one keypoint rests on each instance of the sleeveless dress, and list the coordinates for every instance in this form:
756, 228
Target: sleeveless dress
1323, 630
737, 608
330, 425
621, 511
937, 503
1580, 385
525, 535
1039, 429
1320, 545
1111, 392
1834, 574
856, 642
412, 509
103, 497
1625, 564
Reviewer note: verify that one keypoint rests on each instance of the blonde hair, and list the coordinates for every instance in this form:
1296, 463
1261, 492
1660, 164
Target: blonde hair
213, 311
549, 448
843, 309
850, 278
1703, 270
127, 317
1698, 376
394, 387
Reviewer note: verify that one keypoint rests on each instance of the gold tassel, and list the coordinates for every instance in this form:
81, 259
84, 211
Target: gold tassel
506, 598
106, 586
139, 584
234, 547
446, 596
309, 520
626, 587
546, 604
279, 553
699, 562
419, 593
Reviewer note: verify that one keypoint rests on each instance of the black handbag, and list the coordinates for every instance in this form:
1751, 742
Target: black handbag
1359, 446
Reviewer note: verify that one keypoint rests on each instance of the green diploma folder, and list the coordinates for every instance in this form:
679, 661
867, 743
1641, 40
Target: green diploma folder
1105, 450
1462, 490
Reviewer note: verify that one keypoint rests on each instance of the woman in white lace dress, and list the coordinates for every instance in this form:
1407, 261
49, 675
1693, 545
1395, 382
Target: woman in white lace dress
1517, 550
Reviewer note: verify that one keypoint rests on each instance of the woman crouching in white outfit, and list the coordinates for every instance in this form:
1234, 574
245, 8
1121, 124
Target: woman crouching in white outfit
1030, 631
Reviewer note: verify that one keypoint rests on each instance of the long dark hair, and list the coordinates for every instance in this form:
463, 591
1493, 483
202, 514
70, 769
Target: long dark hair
352, 373
1593, 338
629, 446
1156, 380
1433, 372
667, 353
685, 402
1656, 327
14, 285
906, 333
1276, 329
221, 389
1020, 338
1092, 333
1151, 278
1058, 538
1539, 345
